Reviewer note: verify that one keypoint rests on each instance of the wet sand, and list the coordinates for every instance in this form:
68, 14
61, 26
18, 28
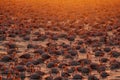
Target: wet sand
87, 21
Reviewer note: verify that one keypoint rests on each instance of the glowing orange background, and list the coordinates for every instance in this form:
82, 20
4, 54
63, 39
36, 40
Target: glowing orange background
61, 9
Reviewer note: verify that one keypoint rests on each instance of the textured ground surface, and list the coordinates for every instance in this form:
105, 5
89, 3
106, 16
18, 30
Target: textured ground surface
77, 29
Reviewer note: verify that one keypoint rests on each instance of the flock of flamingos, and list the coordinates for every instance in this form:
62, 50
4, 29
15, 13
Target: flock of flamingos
59, 40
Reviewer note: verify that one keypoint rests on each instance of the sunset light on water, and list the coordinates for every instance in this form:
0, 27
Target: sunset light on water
59, 39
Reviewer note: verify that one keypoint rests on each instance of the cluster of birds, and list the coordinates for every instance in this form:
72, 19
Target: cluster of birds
66, 55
